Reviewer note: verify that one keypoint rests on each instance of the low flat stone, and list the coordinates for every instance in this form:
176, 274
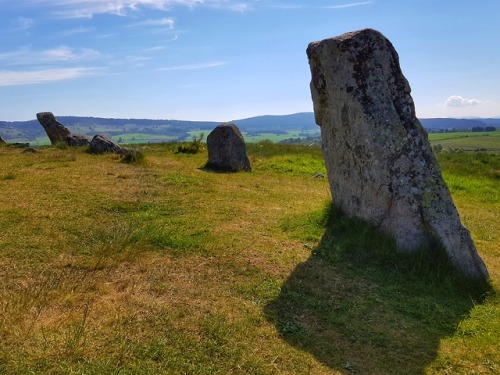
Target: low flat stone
101, 144
30, 150
77, 140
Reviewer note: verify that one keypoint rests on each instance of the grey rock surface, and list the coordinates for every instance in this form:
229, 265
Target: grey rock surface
227, 150
101, 144
77, 140
56, 131
379, 162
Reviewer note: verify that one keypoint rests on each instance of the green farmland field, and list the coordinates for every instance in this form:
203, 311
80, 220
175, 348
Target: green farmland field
467, 141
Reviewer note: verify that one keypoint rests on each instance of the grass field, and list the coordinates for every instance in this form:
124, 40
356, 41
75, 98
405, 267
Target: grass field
467, 141
463, 141
272, 137
165, 268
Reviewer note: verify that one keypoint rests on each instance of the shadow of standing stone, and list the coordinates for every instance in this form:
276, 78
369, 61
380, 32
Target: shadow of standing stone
227, 150
359, 307
380, 164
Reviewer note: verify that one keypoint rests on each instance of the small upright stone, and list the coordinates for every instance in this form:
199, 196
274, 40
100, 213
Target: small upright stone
101, 144
380, 165
227, 150
56, 131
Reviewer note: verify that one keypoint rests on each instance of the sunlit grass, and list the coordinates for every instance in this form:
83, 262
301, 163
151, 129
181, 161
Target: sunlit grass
162, 267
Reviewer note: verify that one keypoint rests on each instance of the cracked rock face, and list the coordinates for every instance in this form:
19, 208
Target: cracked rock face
380, 165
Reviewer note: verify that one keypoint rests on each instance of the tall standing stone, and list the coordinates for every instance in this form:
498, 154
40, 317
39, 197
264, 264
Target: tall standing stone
1, 140
56, 131
380, 165
227, 150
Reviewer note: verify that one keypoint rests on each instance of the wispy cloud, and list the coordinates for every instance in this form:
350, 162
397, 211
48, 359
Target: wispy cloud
17, 78
168, 23
229, 5
26, 56
195, 66
154, 49
89, 8
349, 5
459, 101
23, 24
286, 6
76, 31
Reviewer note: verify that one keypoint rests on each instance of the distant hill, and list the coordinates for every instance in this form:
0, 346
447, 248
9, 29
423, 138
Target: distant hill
268, 124
178, 130
451, 123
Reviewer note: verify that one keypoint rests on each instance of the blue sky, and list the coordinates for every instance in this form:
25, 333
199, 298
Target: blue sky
223, 60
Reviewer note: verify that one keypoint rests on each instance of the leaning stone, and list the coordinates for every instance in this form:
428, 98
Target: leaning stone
101, 144
380, 165
77, 140
56, 131
227, 149
1, 140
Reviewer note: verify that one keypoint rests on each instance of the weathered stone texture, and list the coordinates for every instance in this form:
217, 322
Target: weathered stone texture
77, 140
227, 149
380, 165
56, 131
101, 144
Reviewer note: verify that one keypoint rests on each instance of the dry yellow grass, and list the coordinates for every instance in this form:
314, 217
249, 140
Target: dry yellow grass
166, 268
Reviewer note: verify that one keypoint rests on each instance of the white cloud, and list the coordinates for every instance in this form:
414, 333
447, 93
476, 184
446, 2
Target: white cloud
17, 78
349, 5
78, 30
88, 8
287, 6
169, 23
195, 66
458, 101
154, 49
23, 23
26, 56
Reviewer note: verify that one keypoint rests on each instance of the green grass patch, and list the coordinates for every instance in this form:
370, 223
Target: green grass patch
162, 267
467, 141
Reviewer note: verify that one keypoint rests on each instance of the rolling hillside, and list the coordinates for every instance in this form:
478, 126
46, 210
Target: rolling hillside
176, 130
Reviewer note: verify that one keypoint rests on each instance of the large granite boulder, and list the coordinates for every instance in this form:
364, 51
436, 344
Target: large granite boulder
101, 144
56, 131
379, 162
227, 150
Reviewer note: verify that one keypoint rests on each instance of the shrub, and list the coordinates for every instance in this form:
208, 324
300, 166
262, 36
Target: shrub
132, 156
437, 148
192, 148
